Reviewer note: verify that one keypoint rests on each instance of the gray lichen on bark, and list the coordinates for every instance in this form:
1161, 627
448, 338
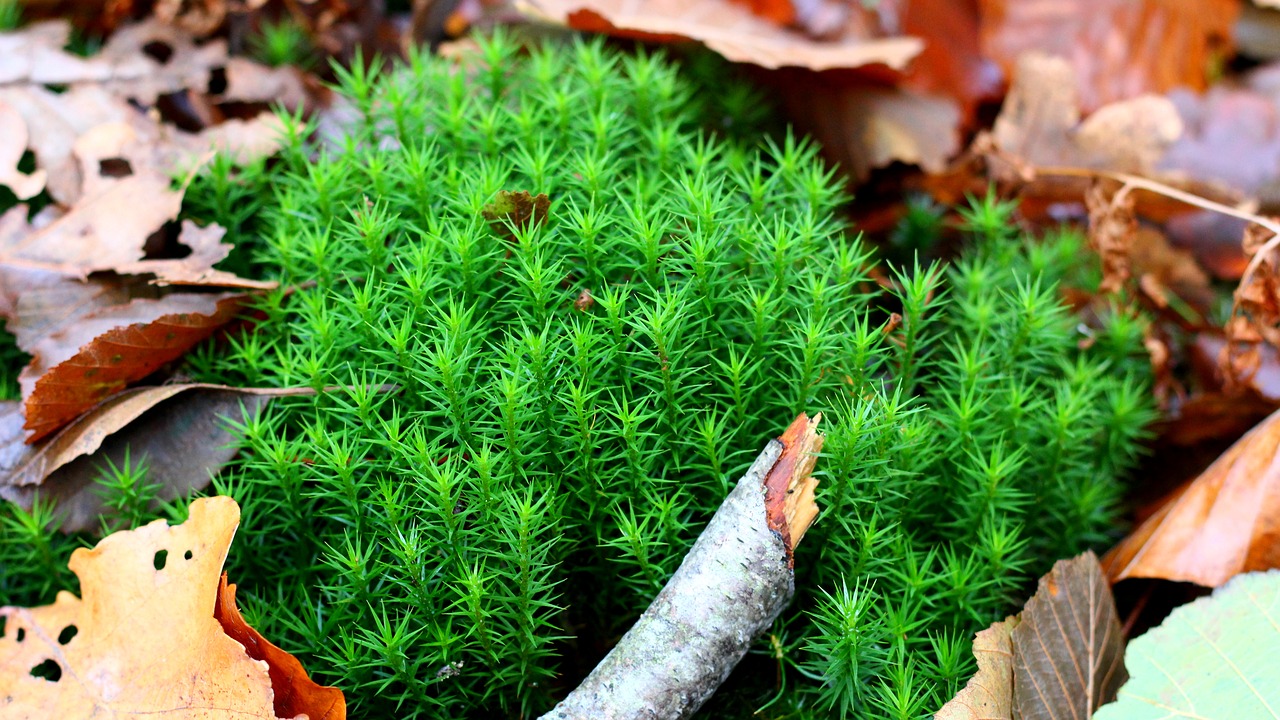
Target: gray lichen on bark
728, 590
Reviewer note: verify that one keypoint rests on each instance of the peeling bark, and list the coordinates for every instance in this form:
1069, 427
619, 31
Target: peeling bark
728, 590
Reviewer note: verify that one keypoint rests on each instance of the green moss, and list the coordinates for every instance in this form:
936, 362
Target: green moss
576, 397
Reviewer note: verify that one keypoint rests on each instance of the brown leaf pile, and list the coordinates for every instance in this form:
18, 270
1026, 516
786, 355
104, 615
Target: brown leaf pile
77, 287
143, 638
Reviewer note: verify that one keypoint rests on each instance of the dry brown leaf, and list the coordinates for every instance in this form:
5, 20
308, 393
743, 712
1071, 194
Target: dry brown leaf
1112, 226
180, 432
13, 143
1061, 657
1040, 123
863, 127
145, 640
74, 370
727, 28
516, 210
128, 65
1118, 49
1224, 522
989, 693
1068, 650
295, 692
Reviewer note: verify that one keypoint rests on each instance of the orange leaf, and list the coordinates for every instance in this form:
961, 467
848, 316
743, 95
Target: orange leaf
143, 641
110, 360
295, 691
1224, 522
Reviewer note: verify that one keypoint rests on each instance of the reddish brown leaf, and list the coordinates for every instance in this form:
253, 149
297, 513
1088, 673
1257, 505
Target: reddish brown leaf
1118, 49
62, 389
511, 211
989, 693
731, 30
295, 692
1224, 522
1112, 226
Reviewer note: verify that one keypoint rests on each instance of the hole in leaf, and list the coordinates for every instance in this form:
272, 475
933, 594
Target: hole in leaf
162, 556
4, 619
158, 51
115, 167
217, 81
22, 634
49, 670
67, 633
187, 555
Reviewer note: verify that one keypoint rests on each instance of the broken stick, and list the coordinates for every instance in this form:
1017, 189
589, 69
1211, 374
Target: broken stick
735, 580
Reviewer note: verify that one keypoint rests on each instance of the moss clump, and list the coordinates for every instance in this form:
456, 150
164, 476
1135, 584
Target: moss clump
577, 395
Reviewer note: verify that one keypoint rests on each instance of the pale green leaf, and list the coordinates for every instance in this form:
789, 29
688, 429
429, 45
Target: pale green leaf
1218, 657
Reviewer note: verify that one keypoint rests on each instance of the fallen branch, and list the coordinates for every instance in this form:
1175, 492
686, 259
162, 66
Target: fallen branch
735, 580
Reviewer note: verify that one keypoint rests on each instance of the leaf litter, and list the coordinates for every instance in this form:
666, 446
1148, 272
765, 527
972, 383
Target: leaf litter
143, 638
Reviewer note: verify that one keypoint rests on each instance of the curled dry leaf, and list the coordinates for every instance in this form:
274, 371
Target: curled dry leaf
73, 370
1061, 657
295, 693
1224, 522
1112, 226
1118, 49
183, 433
144, 639
727, 28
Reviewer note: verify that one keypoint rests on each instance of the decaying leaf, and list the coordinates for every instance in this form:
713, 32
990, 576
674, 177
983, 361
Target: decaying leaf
863, 127
989, 693
13, 143
516, 210
1214, 657
295, 693
1040, 123
1118, 49
1112, 226
182, 432
727, 28
143, 641
1068, 651
1224, 522
1061, 657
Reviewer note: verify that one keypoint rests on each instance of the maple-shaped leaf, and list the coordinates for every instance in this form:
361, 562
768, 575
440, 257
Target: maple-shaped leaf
142, 640
1224, 522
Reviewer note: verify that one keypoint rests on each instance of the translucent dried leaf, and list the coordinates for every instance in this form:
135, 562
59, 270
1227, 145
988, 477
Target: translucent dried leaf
1224, 522
1068, 650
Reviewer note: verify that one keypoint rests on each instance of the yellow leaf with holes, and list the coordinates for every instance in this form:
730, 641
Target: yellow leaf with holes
143, 639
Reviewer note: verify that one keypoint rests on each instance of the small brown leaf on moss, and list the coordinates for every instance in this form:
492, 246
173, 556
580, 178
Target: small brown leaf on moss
516, 210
